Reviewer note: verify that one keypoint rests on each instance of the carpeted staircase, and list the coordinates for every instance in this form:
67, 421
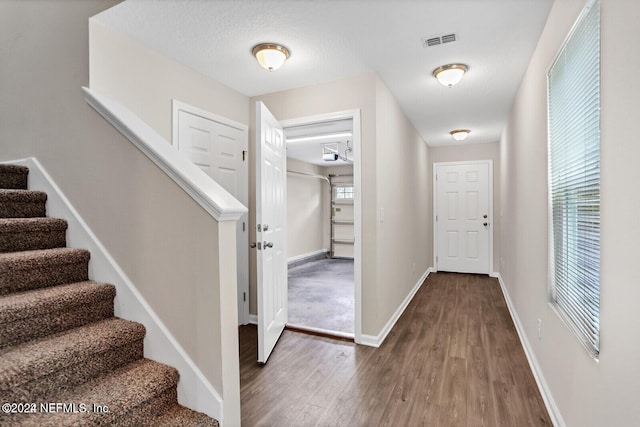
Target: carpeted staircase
61, 349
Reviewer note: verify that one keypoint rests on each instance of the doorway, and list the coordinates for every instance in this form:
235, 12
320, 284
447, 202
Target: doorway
463, 216
219, 146
321, 225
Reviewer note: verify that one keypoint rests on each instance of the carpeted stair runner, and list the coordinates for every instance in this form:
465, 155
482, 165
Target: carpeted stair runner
61, 349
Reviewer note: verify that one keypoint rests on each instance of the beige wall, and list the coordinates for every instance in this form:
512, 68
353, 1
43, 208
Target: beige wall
125, 199
587, 393
470, 152
307, 209
404, 244
146, 82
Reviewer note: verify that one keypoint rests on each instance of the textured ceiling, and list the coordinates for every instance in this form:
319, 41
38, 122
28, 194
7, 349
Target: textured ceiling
334, 39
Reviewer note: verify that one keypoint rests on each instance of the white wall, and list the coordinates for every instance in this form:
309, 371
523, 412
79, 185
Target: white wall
586, 393
470, 152
307, 210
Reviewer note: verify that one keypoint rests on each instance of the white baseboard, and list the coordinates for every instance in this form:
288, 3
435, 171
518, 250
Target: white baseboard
377, 340
194, 390
547, 397
253, 319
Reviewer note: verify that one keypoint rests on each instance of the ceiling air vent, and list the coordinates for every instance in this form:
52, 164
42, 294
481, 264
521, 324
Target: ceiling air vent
438, 40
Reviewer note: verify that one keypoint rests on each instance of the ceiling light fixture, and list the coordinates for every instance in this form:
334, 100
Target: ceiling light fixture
270, 55
450, 74
460, 134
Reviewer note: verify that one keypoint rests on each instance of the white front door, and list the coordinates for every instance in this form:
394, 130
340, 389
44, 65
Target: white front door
219, 147
271, 209
463, 217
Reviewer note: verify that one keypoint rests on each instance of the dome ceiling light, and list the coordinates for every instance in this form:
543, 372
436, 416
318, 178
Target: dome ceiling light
460, 134
270, 55
450, 74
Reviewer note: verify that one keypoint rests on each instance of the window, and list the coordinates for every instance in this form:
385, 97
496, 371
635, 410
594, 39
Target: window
573, 89
345, 192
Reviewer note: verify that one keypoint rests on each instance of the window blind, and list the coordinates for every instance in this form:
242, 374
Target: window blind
573, 89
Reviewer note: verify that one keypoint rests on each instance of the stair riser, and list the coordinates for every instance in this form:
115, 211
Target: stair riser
143, 413
22, 210
15, 280
84, 369
21, 241
53, 322
16, 181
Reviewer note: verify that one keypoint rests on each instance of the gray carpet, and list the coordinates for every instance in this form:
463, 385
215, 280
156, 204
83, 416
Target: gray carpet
321, 295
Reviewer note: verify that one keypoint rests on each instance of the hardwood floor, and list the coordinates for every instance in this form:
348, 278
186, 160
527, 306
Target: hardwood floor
452, 359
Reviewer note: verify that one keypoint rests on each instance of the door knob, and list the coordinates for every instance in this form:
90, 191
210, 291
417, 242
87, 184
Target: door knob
253, 245
267, 244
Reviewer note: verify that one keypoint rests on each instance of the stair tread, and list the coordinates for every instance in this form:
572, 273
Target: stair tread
39, 257
41, 301
17, 195
180, 416
22, 225
121, 390
24, 362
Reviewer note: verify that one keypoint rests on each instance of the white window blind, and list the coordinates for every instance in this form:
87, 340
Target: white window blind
573, 85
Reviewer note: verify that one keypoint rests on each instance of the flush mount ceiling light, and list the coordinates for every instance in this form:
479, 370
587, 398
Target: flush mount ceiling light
460, 134
270, 55
450, 74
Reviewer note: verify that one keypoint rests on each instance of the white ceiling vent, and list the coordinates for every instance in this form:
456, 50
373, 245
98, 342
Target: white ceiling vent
438, 40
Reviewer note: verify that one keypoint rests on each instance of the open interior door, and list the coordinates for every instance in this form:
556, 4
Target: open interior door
271, 210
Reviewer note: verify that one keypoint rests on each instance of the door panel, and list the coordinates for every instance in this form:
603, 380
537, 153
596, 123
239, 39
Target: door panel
217, 148
271, 209
462, 210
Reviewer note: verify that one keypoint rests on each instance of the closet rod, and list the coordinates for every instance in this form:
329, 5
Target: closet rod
309, 175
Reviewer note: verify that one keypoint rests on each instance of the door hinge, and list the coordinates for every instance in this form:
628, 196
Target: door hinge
244, 155
243, 225
436, 259
436, 218
244, 296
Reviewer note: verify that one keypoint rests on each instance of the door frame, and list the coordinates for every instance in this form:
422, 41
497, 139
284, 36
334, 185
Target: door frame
357, 201
435, 206
243, 270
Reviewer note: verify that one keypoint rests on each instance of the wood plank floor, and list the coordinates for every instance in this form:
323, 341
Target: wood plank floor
452, 359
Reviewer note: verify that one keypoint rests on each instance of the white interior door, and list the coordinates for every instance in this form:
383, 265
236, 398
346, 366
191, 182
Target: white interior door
219, 147
271, 210
463, 217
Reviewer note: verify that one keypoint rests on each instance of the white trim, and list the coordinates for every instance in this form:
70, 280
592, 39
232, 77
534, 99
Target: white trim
377, 340
307, 255
357, 202
435, 208
194, 390
206, 192
547, 397
252, 319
